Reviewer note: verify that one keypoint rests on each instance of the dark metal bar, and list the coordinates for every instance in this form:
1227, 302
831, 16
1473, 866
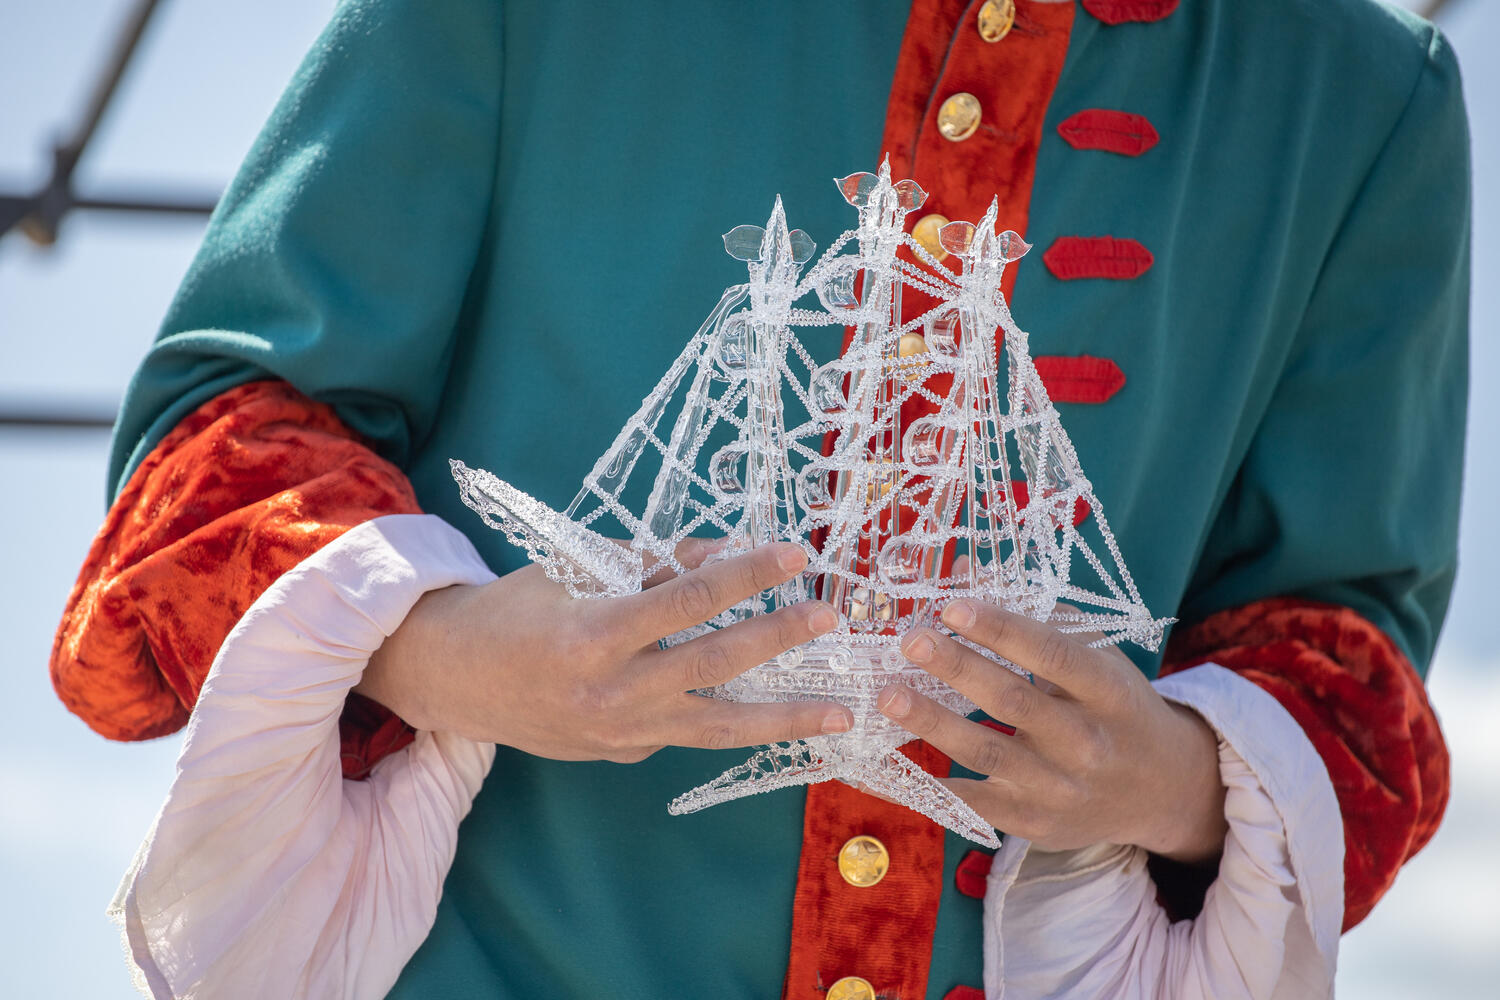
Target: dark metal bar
109, 80
43, 419
192, 206
40, 215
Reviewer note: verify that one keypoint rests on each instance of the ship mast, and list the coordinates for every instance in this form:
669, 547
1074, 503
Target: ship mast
873, 439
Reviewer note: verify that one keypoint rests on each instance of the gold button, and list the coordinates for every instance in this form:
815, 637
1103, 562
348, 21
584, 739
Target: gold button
867, 605
882, 477
925, 232
913, 359
996, 18
851, 988
958, 117
863, 861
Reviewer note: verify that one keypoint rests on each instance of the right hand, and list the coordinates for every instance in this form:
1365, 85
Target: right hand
521, 663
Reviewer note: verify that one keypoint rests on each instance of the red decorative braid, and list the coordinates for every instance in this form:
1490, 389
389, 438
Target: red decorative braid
1080, 379
964, 993
1111, 131
242, 490
1364, 709
1073, 257
973, 873
1121, 11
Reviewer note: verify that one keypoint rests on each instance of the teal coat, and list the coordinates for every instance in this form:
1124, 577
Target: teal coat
483, 233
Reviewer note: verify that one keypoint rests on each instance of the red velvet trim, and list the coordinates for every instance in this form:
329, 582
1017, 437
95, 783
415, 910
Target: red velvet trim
1120, 11
368, 734
1081, 379
1364, 709
243, 489
973, 873
1072, 257
883, 932
1112, 131
999, 727
964, 993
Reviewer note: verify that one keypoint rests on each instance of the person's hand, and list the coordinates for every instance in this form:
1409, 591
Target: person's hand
1097, 754
520, 663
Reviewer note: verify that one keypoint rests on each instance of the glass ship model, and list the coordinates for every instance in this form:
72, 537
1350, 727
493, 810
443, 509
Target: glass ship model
913, 448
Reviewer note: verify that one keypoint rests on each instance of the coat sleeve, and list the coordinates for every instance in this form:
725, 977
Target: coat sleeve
306, 349
241, 491
1327, 573
339, 259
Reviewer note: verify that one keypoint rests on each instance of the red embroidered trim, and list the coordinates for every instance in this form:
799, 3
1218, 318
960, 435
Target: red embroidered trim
964, 993
1365, 711
1080, 379
972, 873
1072, 257
876, 932
1120, 11
1112, 131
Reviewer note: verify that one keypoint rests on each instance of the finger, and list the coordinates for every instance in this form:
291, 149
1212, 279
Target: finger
697, 596
1002, 693
726, 653
976, 747
690, 552
1035, 646
709, 724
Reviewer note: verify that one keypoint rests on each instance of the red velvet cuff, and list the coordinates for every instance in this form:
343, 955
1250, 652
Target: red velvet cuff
1363, 707
242, 490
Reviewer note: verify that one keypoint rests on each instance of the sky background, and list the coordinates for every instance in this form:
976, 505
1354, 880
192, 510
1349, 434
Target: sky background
75, 319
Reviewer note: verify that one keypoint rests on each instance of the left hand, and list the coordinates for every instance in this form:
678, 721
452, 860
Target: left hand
1097, 754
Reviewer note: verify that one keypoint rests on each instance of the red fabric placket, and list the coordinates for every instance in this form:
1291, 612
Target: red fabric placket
884, 933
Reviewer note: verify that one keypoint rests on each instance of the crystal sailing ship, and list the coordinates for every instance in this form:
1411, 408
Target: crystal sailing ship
912, 448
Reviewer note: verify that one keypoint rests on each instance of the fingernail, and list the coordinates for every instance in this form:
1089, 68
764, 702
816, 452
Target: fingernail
838, 721
959, 615
824, 619
897, 703
791, 558
920, 649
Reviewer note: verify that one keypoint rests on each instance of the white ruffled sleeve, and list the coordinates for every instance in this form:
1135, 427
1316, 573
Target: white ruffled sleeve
1086, 923
266, 874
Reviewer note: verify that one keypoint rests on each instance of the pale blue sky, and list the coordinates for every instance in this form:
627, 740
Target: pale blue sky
73, 321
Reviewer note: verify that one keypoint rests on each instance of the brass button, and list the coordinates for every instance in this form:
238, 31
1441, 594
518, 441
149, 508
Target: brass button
912, 357
882, 478
863, 862
851, 988
958, 117
925, 232
996, 18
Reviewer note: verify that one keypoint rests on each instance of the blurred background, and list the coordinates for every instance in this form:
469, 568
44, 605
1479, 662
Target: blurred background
76, 316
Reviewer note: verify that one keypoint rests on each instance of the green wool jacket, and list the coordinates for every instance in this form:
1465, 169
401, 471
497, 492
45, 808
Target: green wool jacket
482, 231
